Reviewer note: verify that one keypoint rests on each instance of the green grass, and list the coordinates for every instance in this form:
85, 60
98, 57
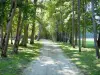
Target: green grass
90, 44
86, 60
14, 64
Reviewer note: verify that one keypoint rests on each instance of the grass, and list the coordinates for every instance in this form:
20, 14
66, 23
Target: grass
90, 44
14, 64
86, 60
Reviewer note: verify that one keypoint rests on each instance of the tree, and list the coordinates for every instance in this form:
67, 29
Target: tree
73, 30
98, 42
8, 27
25, 36
33, 27
84, 25
26, 25
18, 33
79, 26
2, 4
94, 30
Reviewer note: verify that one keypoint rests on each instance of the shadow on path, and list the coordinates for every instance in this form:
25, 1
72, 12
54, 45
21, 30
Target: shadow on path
51, 62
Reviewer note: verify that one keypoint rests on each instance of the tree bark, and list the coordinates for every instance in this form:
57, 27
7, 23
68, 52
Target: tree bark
70, 40
39, 33
73, 30
98, 42
57, 36
84, 27
32, 33
18, 34
33, 27
2, 22
25, 37
11, 34
79, 26
76, 34
1, 28
84, 35
94, 30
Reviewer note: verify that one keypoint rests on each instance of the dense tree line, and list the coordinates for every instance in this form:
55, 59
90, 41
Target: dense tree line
59, 20
18, 13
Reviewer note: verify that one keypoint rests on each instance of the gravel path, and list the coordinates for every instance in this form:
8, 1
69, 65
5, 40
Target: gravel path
51, 62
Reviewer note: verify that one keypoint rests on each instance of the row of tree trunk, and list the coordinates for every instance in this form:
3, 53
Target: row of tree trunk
20, 26
75, 35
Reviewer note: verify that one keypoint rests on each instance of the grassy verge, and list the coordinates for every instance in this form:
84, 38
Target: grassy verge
14, 64
86, 60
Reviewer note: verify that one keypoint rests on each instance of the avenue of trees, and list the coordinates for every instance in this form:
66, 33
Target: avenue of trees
59, 20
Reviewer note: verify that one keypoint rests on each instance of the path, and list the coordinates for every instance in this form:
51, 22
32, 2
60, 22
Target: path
51, 62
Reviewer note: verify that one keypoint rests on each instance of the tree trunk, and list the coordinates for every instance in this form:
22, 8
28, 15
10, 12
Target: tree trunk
33, 27
8, 27
2, 22
11, 34
84, 27
84, 36
39, 33
76, 34
98, 42
18, 34
73, 30
79, 26
70, 40
94, 30
57, 31
25, 37
32, 33
1, 28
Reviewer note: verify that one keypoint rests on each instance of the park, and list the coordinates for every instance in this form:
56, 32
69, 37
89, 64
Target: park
49, 37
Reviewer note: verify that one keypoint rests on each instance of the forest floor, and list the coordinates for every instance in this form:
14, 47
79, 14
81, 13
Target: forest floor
51, 62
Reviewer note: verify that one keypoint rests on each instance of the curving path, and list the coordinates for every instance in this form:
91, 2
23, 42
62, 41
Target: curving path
51, 62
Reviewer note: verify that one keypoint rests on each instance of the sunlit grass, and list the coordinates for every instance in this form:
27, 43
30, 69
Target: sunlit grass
85, 60
14, 64
90, 44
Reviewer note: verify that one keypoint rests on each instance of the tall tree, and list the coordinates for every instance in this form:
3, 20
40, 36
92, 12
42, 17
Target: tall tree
25, 37
8, 27
18, 33
2, 4
33, 27
26, 25
11, 34
84, 25
79, 26
73, 30
95, 30
98, 40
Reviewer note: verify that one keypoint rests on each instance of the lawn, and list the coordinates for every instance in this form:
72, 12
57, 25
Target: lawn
90, 44
86, 60
14, 64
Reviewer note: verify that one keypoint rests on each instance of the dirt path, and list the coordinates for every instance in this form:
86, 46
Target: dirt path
51, 62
